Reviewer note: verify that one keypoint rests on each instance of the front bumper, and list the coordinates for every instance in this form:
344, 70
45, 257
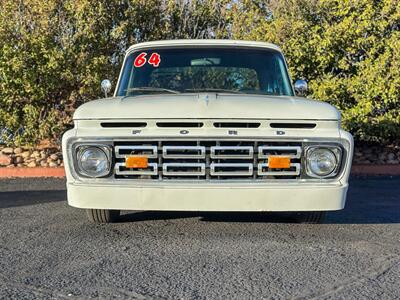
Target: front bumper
288, 197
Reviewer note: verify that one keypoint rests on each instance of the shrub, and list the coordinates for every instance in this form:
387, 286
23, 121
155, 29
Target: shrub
53, 54
348, 50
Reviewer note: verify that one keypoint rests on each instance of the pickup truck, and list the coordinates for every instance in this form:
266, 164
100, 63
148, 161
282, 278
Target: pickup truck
207, 125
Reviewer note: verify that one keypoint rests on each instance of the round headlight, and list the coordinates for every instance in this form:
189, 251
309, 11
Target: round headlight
93, 161
321, 161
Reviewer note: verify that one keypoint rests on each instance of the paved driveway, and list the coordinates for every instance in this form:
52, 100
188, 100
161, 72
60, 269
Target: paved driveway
49, 250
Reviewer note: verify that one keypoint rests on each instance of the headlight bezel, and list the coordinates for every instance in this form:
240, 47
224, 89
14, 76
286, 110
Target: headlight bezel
335, 149
79, 150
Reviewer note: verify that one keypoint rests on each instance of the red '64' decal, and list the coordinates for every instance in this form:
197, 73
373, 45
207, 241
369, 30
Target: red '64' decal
141, 59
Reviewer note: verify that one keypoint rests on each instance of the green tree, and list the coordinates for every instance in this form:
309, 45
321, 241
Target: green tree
53, 54
348, 50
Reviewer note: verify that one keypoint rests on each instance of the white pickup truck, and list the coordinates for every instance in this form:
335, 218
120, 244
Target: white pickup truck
206, 125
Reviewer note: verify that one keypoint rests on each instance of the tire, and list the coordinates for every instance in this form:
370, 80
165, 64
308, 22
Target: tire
102, 215
311, 217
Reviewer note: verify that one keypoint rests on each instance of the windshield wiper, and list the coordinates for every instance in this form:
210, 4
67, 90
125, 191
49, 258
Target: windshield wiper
151, 89
213, 90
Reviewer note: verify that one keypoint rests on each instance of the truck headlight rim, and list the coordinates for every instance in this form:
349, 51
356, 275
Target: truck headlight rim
103, 155
332, 154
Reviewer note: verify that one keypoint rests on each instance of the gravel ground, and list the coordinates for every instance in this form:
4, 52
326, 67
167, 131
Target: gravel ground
49, 250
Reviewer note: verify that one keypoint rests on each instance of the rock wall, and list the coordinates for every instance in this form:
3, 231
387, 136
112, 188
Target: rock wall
28, 157
376, 155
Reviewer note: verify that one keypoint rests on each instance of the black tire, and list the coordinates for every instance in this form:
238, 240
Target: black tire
311, 217
102, 215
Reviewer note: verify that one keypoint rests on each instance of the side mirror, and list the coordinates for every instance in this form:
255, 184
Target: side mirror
300, 87
106, 86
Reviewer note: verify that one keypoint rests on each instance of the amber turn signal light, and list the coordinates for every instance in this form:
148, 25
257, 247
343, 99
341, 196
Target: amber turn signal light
279, 162
136, 162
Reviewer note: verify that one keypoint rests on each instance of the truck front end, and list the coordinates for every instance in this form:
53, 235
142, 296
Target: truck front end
206, 126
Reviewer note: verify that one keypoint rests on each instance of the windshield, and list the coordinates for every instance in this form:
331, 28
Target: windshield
189, 70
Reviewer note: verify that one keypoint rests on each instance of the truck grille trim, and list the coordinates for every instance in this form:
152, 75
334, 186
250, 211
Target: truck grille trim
207, 160
120, 169
123, 151
184, 169
232, 152
231, 169
293, 171
184, 152
292, 152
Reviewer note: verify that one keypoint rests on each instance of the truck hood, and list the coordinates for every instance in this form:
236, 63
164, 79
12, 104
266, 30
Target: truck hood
207, 106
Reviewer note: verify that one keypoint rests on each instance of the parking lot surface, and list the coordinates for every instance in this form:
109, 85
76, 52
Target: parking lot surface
49, 250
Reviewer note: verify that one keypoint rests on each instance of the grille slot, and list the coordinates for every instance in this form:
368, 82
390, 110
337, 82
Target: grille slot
292, 152
179, 124
184, 169
207, 160
293, 125
149, 151
238, 152
123, 124
122, 170
237, 124
264, 170
231, 169
184, 152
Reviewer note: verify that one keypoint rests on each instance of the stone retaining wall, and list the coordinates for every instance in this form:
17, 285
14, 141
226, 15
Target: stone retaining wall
376, 155
28, 157
52, 157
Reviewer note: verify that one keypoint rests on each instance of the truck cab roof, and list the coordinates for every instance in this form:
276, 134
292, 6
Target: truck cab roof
203, 43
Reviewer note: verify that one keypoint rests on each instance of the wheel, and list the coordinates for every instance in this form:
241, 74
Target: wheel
311, 217
102, 215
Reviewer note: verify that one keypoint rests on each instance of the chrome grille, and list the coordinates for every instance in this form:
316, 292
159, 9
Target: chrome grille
207, 160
